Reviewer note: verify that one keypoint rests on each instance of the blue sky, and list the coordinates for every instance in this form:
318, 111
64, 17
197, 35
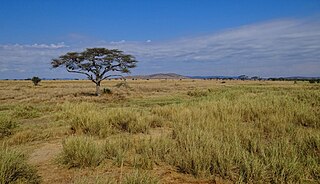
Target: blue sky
190, 37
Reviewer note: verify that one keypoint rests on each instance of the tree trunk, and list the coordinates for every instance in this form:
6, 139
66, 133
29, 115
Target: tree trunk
98, 89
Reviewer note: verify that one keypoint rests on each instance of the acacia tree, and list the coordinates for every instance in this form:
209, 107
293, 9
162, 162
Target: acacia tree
96, 63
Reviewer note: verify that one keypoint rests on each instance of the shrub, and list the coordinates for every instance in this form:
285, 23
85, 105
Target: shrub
80, 152
6, 126
107, 91
14, 168
35, 80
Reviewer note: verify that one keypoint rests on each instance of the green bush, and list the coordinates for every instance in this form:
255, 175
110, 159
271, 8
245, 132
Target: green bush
14, 168
80, 152
35, 80
107, 91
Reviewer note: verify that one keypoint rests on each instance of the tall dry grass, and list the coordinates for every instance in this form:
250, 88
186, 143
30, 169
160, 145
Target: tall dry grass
248, 135
246, 132
88, 118
80, 152
15, 169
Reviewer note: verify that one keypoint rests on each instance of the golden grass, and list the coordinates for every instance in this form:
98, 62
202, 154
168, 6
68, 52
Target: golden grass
202, 130
15, 169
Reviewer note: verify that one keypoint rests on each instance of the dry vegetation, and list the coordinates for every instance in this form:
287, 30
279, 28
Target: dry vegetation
160, 131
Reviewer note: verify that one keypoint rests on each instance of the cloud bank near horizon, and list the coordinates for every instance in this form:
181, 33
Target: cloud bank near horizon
289, 47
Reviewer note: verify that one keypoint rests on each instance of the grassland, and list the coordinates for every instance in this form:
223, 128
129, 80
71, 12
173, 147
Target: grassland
160, 131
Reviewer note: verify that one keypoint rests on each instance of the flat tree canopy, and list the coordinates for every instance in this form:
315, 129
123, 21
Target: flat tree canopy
96, 63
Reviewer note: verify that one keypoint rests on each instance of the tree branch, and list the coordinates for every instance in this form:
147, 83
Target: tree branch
78, 72
112, 76
89, 76
109, 68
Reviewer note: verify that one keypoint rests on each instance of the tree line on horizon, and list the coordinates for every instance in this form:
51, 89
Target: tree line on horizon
98, 64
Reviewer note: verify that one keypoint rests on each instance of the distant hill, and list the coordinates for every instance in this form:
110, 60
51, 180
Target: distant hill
213, 77
159, 76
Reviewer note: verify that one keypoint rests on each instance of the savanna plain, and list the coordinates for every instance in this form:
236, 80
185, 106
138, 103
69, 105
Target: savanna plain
160, 131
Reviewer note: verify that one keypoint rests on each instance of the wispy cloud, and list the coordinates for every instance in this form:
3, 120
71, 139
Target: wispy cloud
24, 60
276, 48
118, 42
293, 46
36, 46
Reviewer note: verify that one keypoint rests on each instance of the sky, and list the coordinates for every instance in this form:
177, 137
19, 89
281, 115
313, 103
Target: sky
266, 38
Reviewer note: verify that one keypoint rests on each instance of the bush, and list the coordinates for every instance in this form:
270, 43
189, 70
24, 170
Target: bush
14, 168
35, 80
6, 126
107, 91
80, 152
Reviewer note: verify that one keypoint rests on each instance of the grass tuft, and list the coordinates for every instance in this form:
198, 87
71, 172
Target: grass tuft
15, 169
80, 152
6, 126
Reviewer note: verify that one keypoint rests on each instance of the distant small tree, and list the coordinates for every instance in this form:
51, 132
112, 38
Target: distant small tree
35, 80
95, 63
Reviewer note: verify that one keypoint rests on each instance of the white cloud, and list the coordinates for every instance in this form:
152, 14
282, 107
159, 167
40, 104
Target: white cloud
292, 45
36, 46
276, 48
23, 60
118, 42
